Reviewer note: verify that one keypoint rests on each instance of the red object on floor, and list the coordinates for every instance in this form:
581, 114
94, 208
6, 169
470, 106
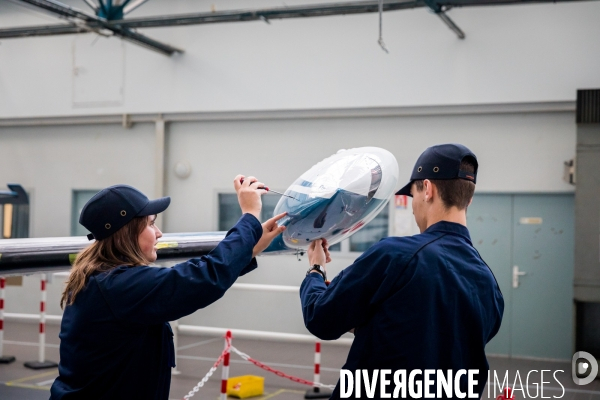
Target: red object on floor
507, 394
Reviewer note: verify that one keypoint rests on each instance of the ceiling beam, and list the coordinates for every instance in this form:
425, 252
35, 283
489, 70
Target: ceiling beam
122, 28
46, 30
82, 22
316, 10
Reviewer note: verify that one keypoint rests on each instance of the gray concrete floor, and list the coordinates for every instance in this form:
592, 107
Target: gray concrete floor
197, 355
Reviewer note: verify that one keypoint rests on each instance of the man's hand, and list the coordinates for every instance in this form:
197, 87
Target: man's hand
249, 194
270, 231
318, 252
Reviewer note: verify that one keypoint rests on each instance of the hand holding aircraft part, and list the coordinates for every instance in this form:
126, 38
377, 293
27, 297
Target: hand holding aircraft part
336, 197
269, 190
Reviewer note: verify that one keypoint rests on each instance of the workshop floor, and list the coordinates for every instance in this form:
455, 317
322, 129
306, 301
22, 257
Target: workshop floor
197, 355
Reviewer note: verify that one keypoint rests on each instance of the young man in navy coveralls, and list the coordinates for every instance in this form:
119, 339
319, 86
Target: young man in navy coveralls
421, 302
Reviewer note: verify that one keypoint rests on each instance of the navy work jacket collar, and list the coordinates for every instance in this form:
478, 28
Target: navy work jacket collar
450, 227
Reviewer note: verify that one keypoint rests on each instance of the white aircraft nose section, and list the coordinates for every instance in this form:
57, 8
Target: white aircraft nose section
337, 197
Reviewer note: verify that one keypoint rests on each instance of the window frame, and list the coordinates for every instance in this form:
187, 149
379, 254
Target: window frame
75, 218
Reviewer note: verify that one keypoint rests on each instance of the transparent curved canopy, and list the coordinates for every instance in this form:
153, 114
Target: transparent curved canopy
336, 197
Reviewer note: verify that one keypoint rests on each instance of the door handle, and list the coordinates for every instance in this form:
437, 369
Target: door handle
515, 276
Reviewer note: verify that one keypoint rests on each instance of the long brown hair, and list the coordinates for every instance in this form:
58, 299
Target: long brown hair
121, 248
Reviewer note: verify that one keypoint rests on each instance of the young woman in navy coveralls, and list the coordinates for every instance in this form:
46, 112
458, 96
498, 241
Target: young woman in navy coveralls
116, 342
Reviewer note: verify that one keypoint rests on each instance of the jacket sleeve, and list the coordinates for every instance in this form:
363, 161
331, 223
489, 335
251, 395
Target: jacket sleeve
150, 295
330, 311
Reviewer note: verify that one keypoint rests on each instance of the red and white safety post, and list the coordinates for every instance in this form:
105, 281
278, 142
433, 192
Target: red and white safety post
42, 363
175, 328
317, 378
225, 370
317, 392
3, 359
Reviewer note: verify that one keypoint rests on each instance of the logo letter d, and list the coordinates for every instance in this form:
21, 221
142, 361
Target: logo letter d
346, 383
592, 363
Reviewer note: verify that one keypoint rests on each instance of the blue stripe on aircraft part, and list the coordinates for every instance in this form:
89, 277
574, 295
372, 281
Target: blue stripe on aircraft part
332, 218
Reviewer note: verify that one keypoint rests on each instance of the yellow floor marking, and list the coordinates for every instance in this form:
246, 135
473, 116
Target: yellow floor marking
25, 386
18, 382
277, 393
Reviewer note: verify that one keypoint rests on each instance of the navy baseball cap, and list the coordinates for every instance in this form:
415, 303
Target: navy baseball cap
441, 162
112, 208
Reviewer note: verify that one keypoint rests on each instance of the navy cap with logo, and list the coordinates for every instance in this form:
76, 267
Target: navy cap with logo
441, 162
112, 208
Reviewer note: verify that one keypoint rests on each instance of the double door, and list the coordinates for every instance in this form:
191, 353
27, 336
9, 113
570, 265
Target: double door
528, 242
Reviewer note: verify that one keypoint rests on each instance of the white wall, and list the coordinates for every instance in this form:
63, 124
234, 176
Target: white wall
521, 53
517, 153
52, 161
512, 54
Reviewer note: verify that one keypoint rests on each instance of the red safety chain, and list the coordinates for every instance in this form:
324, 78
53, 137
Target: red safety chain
211, 371
279, 373
223, 354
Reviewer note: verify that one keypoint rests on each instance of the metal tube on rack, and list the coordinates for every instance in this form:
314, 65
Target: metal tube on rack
36, 255
40, 255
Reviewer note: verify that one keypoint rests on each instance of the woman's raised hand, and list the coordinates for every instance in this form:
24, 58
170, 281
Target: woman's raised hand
248, 192
270, 231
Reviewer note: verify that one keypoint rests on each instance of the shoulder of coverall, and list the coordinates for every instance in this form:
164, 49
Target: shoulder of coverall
398, 250
452, 228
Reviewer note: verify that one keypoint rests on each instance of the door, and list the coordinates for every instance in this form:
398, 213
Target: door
490, 225
528, 242
542, 317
